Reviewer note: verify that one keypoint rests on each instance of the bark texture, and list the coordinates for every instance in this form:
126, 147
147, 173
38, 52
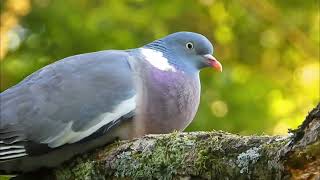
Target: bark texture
205, 155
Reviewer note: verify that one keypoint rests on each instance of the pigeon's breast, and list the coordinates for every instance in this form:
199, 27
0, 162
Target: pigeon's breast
168, 100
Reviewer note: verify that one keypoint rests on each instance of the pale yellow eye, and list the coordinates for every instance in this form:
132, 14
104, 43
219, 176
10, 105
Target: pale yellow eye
189, 45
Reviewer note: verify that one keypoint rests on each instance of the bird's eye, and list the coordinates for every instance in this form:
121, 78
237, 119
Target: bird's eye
189, 45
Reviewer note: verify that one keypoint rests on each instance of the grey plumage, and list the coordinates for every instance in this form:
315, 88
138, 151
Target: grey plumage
85, 101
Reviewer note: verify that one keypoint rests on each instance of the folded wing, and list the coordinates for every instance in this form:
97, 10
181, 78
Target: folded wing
65, 102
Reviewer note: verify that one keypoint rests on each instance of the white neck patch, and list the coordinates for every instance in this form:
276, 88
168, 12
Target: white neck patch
156, 59
68, 135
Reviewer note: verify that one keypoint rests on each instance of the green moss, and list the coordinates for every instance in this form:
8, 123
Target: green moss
161, 159
63, 174
209, 163
84, 170
81, 170
206, 155
240, 154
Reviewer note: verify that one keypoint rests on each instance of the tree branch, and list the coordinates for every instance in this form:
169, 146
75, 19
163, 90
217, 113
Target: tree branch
205, 155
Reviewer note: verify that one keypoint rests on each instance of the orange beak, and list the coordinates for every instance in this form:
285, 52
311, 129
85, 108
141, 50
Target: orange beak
213, 62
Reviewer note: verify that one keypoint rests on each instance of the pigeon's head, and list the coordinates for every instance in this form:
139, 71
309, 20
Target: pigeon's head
192, 49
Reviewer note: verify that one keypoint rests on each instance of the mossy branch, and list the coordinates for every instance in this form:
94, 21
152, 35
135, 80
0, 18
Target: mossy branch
205, 155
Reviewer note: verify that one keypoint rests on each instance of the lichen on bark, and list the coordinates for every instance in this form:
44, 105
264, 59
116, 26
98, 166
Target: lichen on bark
204, 155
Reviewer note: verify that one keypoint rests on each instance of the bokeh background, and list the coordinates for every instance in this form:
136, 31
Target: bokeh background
269, 50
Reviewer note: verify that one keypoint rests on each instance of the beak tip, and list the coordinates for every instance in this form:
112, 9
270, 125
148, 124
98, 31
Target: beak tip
219, 69
217, 65
214, 62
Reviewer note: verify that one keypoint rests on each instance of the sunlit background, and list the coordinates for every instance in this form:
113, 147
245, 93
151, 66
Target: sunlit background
269, 50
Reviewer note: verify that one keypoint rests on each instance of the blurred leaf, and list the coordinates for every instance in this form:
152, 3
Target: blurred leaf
269, 50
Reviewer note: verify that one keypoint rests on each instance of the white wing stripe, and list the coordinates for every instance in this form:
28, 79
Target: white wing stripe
11, 147
68, 136
13, 156
12, 152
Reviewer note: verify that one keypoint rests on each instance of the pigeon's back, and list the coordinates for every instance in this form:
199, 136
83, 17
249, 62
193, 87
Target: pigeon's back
66, 102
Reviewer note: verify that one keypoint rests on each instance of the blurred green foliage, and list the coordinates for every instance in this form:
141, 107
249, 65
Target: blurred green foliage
269, 50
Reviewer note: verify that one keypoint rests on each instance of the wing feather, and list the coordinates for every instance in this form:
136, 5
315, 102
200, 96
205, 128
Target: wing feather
66, 102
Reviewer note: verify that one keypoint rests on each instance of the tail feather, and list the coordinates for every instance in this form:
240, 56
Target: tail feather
11, 143
12, 156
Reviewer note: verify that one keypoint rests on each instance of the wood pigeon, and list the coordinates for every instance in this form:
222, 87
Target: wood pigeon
86, 101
